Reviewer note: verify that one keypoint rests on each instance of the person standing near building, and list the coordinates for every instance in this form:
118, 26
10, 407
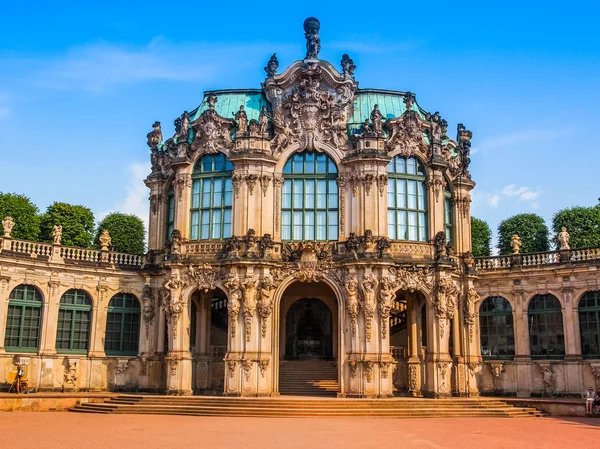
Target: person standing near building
590, 397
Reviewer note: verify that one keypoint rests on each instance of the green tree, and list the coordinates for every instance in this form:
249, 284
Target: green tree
481, 237
24, 213
532, 230
77, 223
582, 223
126, 231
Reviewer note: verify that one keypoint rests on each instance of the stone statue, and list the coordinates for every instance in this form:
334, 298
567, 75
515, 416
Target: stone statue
348, 65
253, 128
313, 41
272, 66
439, 243
366, 127
7, 225
250, 290
242, 120
563, 239
175, 241
57, 234
368, 241
516, 244
265, 303
263, 121
182, 127
233, 303
369, 295
105, 240
351, 287
155, 136
376, 119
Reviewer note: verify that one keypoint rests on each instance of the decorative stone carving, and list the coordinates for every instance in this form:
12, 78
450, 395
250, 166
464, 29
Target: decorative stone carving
382, 182
445, 300
56, 234
596, 373
386, 300
204, 277
352, 304
105, 240
241, 120
368, 289
148, 307
355, 181
463, 205
308, 262
413, 386
155, 136
265, 243
231, 366
383, 244
264, 183
368, 242
236, 181
470, 311
7, 226
438, 185
368, 368
406, 132
367, 181
468, 261
251, 182
497, 369
175, 244
461, 167
412, 279
348, 66
439, 244
233, 301
548, 379
563, 239
313, 41
272, 66
265, 302
247, 368
181, 182
120, 370
442, 367
171, 300
377, 120
182, 128
212, 132
250, 291
352, 244
263, 122
352, 365
263, 364
516, 244
70, 375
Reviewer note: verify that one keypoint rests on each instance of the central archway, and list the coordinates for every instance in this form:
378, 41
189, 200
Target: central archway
308, 340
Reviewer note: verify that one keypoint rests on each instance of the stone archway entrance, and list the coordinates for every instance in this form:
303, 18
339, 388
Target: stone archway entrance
308, 340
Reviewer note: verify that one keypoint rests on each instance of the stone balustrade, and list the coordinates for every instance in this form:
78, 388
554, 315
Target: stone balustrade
68, 254
536, 259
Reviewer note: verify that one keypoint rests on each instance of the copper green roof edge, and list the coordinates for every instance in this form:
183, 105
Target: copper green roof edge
230, 100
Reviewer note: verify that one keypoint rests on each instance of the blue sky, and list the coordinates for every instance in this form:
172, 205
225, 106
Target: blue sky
80, 86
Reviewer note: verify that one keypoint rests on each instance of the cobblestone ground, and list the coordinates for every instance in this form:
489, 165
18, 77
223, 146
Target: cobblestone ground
23, 430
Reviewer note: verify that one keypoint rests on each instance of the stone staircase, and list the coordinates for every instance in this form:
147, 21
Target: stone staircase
287, 406
308, 378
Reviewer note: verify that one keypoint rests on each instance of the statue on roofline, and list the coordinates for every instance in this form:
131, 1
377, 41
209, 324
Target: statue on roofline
313, 41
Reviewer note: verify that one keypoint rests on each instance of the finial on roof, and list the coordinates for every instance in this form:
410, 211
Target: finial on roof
313, 41
348, 65
272, 66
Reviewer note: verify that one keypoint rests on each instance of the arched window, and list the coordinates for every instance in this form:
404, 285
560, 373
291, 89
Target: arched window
309, 199
407, 200
211, 198
546, 334
170, 212
448, 217
589, 324
122, 325
496, 328
24, 319
74, 317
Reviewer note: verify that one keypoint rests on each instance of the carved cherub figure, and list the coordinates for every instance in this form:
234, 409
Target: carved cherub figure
7, 226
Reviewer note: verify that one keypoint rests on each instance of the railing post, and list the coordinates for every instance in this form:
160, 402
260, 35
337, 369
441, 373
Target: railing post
55, 256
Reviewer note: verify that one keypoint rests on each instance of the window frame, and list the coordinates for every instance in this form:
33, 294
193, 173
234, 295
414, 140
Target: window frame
123, 312
78, 311
422, 214
200, 177
589, 309
305, 175
448, 216
24, 304
170, 213
509, 323
539, 318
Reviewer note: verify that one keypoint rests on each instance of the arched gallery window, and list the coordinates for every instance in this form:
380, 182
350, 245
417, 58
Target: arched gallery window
496, 328
122, 325
74, 318
546, 334
211, 198
309, 198
589, 324
407, 200
170, 213
24, 319
448, 217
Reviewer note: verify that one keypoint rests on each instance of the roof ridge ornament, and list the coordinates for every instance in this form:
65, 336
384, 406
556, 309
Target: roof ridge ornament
313, 41
272, 66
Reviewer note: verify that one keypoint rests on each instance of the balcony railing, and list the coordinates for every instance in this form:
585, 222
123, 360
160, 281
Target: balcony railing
536, 259
68, 254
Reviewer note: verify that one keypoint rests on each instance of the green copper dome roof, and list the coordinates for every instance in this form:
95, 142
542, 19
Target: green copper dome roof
229, 102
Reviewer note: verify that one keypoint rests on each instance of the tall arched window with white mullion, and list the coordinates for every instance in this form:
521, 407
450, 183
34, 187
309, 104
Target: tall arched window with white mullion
211, 198
24, 319
407, 200
448, 217
170, 212
309, 198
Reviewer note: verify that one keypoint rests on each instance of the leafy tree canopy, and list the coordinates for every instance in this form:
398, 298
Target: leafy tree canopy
481, 237
77, 223
532, 230
126, 231
582, 223
24, 213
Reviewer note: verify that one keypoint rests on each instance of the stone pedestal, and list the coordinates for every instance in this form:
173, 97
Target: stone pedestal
178, 374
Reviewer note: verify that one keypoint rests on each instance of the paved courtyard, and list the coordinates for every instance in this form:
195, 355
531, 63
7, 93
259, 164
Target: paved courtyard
25, 430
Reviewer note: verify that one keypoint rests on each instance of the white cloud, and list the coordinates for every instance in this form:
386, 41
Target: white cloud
135, 200
520, 193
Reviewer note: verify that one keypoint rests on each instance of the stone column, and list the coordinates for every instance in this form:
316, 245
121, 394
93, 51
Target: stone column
4, 293
98, 325
157, 222
414, 360
182, 184
522, 352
